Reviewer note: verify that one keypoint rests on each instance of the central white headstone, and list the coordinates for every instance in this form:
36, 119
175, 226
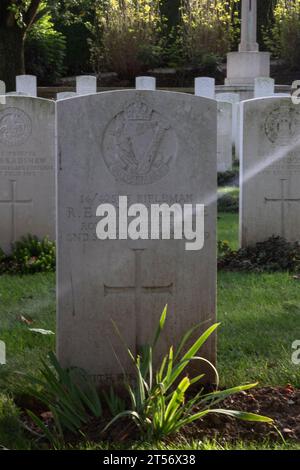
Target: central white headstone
152, 147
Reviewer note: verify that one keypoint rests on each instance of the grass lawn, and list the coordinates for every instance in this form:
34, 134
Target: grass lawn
259, 315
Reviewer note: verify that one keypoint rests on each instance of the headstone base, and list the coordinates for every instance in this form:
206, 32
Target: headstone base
244, 67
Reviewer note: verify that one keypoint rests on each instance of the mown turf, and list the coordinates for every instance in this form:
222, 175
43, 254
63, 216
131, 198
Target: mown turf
228, 229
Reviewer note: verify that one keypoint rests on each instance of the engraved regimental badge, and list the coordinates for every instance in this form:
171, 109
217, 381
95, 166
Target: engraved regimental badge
15, 126
139, 145
282, 125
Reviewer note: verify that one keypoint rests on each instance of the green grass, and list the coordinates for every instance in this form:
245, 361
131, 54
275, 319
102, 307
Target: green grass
228, 229
259, 315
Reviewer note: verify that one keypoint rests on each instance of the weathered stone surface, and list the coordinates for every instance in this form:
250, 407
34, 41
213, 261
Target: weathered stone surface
270, 170
224, 137
145, 83
65, 94
86, 85
26, 84
27, 168
153, 147
205, 87
264, 87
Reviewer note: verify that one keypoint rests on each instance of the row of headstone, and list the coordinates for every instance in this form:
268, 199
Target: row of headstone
153, 147
205, 87
26, 85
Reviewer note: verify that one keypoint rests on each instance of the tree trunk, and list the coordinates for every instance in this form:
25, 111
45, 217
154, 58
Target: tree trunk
11, 55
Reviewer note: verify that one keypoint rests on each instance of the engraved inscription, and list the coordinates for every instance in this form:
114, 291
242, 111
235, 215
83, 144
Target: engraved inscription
282, 125
139, 145
15, 126
83, 218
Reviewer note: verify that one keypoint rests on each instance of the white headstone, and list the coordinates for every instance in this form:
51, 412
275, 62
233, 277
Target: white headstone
264, 87
2, 92
234, 99
224, 137
270, 170
65, 94
145, 83
27, 169
86, 85
26, 84
2, 88
205, 87
153, 148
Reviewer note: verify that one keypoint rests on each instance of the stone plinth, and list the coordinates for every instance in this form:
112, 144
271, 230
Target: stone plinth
244, 67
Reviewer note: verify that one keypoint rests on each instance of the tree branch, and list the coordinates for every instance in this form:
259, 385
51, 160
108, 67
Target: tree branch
30, 15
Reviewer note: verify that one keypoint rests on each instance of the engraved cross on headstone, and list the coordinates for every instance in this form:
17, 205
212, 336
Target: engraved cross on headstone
138, 289
14, 202
283, 200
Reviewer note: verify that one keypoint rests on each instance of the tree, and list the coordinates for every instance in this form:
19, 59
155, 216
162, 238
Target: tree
16, 18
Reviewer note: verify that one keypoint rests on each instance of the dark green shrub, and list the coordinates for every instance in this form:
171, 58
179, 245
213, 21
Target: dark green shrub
11, 433
29, 255
33, 255
229, 177
283, 37
228, 202
45, 51
275, 254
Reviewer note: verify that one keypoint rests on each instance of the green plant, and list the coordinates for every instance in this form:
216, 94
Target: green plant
282, 38
11, 433
32, 255
29, 255
228, 203
208, 29
2, 255
115, 403
69, 394
45, 50
160, 404
127, 36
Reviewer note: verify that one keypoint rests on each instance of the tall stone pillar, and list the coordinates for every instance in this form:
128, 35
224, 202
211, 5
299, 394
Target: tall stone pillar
244, 66
249, 26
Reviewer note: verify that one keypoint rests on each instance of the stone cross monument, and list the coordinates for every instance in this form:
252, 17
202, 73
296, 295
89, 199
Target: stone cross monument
248, 63
249, 26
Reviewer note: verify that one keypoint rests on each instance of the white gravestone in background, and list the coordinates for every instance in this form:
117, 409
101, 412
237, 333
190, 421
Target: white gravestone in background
234, 99
154, 148
2, 88
224, 134
26, 84
27, 169
65, 94
86, 85
264, 87
145, 83
270, 170
205, 87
